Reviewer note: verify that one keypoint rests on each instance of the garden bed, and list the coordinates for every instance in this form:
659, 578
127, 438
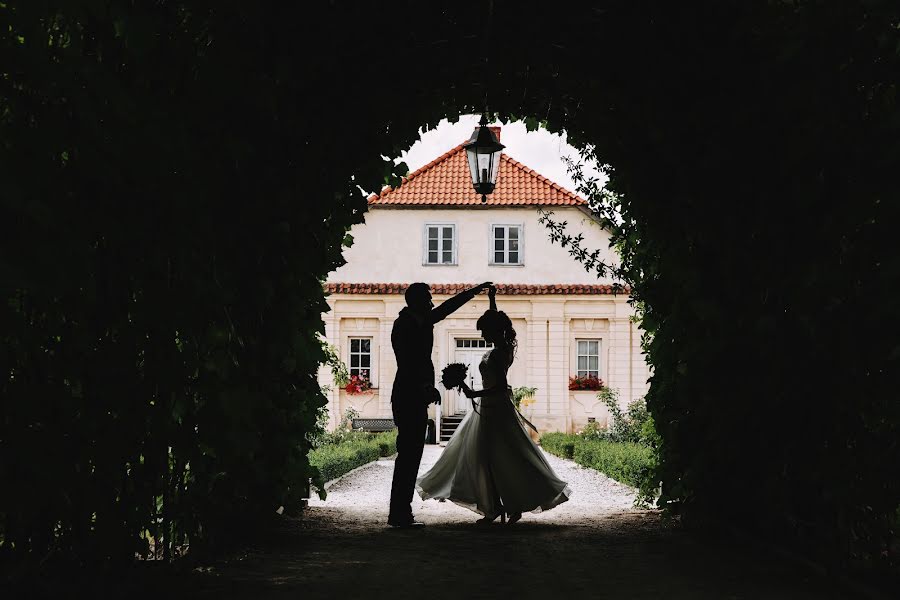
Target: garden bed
628, 462
354, 450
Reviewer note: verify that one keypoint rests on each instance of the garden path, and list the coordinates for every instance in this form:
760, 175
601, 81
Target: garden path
594, 546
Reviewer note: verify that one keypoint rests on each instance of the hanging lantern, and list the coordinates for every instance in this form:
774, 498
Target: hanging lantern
483, 152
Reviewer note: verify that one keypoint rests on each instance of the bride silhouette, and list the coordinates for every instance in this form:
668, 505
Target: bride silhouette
490, 465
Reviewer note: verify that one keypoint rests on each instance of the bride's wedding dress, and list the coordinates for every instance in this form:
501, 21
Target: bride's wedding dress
491, 462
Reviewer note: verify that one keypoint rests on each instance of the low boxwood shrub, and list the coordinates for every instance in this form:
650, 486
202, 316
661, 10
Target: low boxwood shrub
560, 444
387, 442
333, 460
336, 459
630, 463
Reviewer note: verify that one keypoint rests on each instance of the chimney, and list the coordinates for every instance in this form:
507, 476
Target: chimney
496, 130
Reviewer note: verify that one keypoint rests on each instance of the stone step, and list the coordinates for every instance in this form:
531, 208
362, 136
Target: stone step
449, 425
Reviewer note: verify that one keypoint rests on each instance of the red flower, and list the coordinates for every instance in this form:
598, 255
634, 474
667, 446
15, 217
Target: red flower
585, 382
358, 383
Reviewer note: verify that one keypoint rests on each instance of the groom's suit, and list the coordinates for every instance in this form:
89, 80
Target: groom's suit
412, 339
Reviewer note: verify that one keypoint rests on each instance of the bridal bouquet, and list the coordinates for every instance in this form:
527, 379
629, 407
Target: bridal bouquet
453, 375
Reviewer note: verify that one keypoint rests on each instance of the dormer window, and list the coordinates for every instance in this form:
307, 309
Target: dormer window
440, 244
506, 245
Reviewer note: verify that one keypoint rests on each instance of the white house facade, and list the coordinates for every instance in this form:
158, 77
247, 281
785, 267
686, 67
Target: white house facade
435, 229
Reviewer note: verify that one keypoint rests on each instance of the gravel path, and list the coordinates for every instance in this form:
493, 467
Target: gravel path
594, 546
363, 496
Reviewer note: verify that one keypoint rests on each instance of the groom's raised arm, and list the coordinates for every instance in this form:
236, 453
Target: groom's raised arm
453, 304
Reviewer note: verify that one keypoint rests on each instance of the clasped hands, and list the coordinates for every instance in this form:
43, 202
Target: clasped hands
492, 292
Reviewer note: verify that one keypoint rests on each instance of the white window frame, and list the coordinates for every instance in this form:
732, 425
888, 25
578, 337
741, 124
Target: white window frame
491, 239
472, 343
454, 245
578, 372
351, 353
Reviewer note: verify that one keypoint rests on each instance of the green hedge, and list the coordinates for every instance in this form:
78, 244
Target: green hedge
387, 443
334, 460
632, 464
560, 444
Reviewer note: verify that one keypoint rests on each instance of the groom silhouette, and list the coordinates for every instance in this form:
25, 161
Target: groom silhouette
412, 339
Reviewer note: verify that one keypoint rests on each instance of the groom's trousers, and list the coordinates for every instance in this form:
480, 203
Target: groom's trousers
411, 418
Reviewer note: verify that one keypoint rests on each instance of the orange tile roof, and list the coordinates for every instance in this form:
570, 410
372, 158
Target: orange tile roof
508, 289
446, 181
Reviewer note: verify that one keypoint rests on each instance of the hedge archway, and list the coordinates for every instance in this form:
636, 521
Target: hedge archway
189, 171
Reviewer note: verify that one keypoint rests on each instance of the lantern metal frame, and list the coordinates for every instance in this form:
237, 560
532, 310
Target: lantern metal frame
483, 155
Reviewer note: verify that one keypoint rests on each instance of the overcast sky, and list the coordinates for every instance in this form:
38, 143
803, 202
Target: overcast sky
539, 150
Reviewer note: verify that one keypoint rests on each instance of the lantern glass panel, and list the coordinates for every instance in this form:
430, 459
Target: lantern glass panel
485, 168
495, 167
473, 164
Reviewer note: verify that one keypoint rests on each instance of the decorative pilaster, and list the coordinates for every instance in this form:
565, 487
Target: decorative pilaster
387, 366
332, 336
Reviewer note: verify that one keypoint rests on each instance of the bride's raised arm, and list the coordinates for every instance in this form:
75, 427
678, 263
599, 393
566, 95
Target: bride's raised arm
492, 296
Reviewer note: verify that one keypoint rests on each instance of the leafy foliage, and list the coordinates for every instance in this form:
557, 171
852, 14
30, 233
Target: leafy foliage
744, 278
344, 429
161, 262
523, 395
342, 432
339, 371
633, 425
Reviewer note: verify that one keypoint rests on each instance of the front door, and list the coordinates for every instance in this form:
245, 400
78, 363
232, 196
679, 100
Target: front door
469, 352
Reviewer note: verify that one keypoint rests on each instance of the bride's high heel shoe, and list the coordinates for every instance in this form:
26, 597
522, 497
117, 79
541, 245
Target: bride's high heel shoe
489, 520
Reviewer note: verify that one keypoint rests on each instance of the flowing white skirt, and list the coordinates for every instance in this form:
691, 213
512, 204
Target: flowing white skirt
491, 461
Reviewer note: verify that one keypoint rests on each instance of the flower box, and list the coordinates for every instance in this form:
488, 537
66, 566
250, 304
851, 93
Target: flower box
588, 382
359, 384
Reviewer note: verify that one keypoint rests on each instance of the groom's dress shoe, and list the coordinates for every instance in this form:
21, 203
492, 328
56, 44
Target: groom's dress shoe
406, 524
